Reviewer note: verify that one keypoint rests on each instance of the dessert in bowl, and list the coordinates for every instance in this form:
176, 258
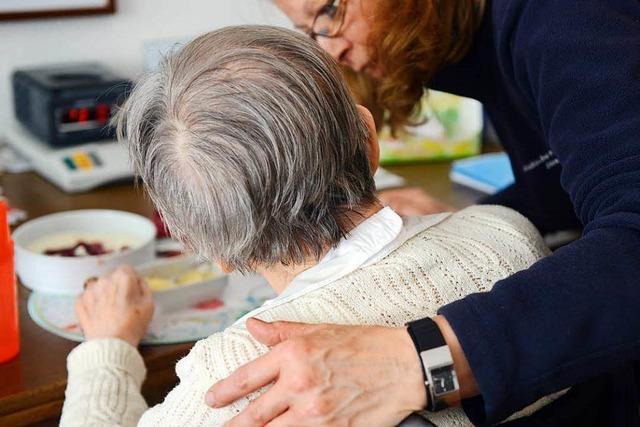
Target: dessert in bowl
184, 281
57, 253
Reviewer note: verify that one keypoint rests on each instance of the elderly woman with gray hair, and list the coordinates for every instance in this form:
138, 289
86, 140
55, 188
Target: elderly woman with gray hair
252, 148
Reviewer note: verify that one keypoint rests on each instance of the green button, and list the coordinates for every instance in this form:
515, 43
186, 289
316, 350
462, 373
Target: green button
68, 161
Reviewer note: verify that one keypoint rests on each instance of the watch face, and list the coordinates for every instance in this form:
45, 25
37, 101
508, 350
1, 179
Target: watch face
443, 380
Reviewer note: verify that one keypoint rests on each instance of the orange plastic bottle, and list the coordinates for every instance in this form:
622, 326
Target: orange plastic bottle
9, 333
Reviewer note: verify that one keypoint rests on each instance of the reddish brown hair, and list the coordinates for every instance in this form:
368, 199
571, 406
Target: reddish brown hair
410, 41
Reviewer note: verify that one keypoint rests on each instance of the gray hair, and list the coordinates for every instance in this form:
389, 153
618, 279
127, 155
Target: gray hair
251, 147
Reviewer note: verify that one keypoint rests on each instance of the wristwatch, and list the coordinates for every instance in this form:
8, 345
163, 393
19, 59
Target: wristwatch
437, 363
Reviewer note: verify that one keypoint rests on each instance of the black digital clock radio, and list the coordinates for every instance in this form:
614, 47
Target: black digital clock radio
68, 104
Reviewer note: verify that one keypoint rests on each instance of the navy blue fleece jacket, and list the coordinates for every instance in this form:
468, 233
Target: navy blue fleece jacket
560, 80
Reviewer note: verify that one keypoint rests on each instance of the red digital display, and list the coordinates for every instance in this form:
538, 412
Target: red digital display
99, 113
83, 115
72, 115
103, 111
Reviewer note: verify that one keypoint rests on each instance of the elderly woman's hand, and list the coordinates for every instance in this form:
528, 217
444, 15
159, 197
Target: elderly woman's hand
118, 305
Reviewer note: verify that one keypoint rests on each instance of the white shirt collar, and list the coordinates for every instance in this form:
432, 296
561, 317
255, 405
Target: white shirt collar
370, 241
363, 242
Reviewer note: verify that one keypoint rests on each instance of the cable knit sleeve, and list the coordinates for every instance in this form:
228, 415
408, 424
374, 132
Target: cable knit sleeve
103, 387
105, 377
209, 361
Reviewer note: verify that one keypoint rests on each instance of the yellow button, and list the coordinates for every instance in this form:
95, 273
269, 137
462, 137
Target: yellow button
82, 160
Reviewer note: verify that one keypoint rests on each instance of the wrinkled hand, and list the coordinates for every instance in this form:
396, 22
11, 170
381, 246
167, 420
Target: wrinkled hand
326, 375
413, 201
117, 305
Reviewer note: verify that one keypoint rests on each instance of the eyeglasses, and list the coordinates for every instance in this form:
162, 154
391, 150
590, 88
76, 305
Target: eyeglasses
328, 20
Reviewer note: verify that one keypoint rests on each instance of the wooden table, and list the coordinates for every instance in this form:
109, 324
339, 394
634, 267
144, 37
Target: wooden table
32, 385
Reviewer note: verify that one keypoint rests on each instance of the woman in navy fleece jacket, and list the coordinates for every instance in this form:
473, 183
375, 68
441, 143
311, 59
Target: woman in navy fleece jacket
560, 80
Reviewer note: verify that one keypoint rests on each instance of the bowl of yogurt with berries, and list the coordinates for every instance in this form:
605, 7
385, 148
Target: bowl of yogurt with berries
57, 253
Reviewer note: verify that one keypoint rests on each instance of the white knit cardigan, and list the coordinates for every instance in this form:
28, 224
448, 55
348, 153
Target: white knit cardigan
466, 253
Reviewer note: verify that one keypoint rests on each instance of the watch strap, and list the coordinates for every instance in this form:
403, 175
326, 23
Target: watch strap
426, 334
436, 361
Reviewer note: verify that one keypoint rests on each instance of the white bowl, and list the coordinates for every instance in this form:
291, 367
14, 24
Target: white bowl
66, 275
184, 296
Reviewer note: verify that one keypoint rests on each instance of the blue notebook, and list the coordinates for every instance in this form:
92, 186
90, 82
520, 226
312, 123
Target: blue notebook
488, 173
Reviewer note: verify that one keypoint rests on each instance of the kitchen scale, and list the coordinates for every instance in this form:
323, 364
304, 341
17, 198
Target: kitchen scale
62, 123
74, 169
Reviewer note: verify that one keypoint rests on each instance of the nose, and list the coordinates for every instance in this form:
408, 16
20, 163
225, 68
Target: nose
336, 47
